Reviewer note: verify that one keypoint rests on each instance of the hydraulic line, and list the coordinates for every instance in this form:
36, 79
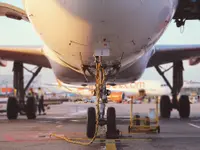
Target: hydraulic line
99, 81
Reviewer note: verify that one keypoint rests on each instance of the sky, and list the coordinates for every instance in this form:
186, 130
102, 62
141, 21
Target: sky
22, 33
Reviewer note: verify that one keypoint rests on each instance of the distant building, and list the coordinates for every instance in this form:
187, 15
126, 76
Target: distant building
6, 83
191, 88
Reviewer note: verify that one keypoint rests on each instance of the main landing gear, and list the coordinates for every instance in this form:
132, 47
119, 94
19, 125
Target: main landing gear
16, 103
183, 104
98, 119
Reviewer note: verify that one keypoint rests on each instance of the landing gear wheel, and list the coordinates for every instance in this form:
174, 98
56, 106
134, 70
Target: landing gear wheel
108, 92
165, 106
111, 119
31, 108
91, 122
184, 106
136, 120
158, 129
12, 108
129, 129
112, 131
147, 122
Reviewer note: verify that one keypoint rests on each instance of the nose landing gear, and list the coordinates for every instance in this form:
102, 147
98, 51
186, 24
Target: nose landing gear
95, 118
101, 93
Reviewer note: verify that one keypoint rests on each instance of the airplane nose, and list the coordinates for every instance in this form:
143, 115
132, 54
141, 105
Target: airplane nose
99, 11
71, 27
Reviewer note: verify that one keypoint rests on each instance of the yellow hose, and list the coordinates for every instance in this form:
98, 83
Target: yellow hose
98, 86
131, 114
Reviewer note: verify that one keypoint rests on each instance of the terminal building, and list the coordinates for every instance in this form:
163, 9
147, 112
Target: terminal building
191, 88
6, 83
6, 86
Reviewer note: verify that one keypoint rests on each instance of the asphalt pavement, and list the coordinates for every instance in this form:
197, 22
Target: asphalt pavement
69, 120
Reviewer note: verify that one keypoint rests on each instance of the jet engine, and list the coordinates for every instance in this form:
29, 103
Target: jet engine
194, 61
3, 63
117, 97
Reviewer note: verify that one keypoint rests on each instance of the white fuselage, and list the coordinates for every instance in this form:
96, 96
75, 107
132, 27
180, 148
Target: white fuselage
74, 29
151, 87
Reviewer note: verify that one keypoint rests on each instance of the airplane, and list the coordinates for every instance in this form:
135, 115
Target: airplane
138, 90
119, 92
109, 42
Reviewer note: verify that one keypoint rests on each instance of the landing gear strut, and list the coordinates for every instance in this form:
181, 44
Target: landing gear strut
16, 103
101, 93
183, 104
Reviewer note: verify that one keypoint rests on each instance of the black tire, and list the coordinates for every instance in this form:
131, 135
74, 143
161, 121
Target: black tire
165, 106
12, 108
111, 120
91, 122
184, 106
136, 120
31, 108
158, 129
147, 121
108, 92
129, 129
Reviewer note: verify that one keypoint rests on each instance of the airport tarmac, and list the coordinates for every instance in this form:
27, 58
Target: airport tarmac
69, 119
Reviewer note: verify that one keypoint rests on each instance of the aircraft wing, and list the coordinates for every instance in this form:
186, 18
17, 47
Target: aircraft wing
169, 53
27, 54
62, 87
66, 87
13, 12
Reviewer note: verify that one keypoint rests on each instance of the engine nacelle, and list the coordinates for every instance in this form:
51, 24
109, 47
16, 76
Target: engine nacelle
194, 61
116, 97
142, 93
3, 63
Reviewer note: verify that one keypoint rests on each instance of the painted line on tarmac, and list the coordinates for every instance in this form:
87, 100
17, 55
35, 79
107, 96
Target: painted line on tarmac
193, 125
115, 140
111, 145
102, 144
196, 120
118, 144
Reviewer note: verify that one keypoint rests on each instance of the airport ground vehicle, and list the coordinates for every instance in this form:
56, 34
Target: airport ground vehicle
145, 124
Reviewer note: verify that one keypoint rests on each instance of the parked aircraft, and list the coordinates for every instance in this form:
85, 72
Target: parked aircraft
119, 92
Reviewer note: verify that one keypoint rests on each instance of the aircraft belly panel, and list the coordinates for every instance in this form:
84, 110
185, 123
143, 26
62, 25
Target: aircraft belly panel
71, 27
128, 74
